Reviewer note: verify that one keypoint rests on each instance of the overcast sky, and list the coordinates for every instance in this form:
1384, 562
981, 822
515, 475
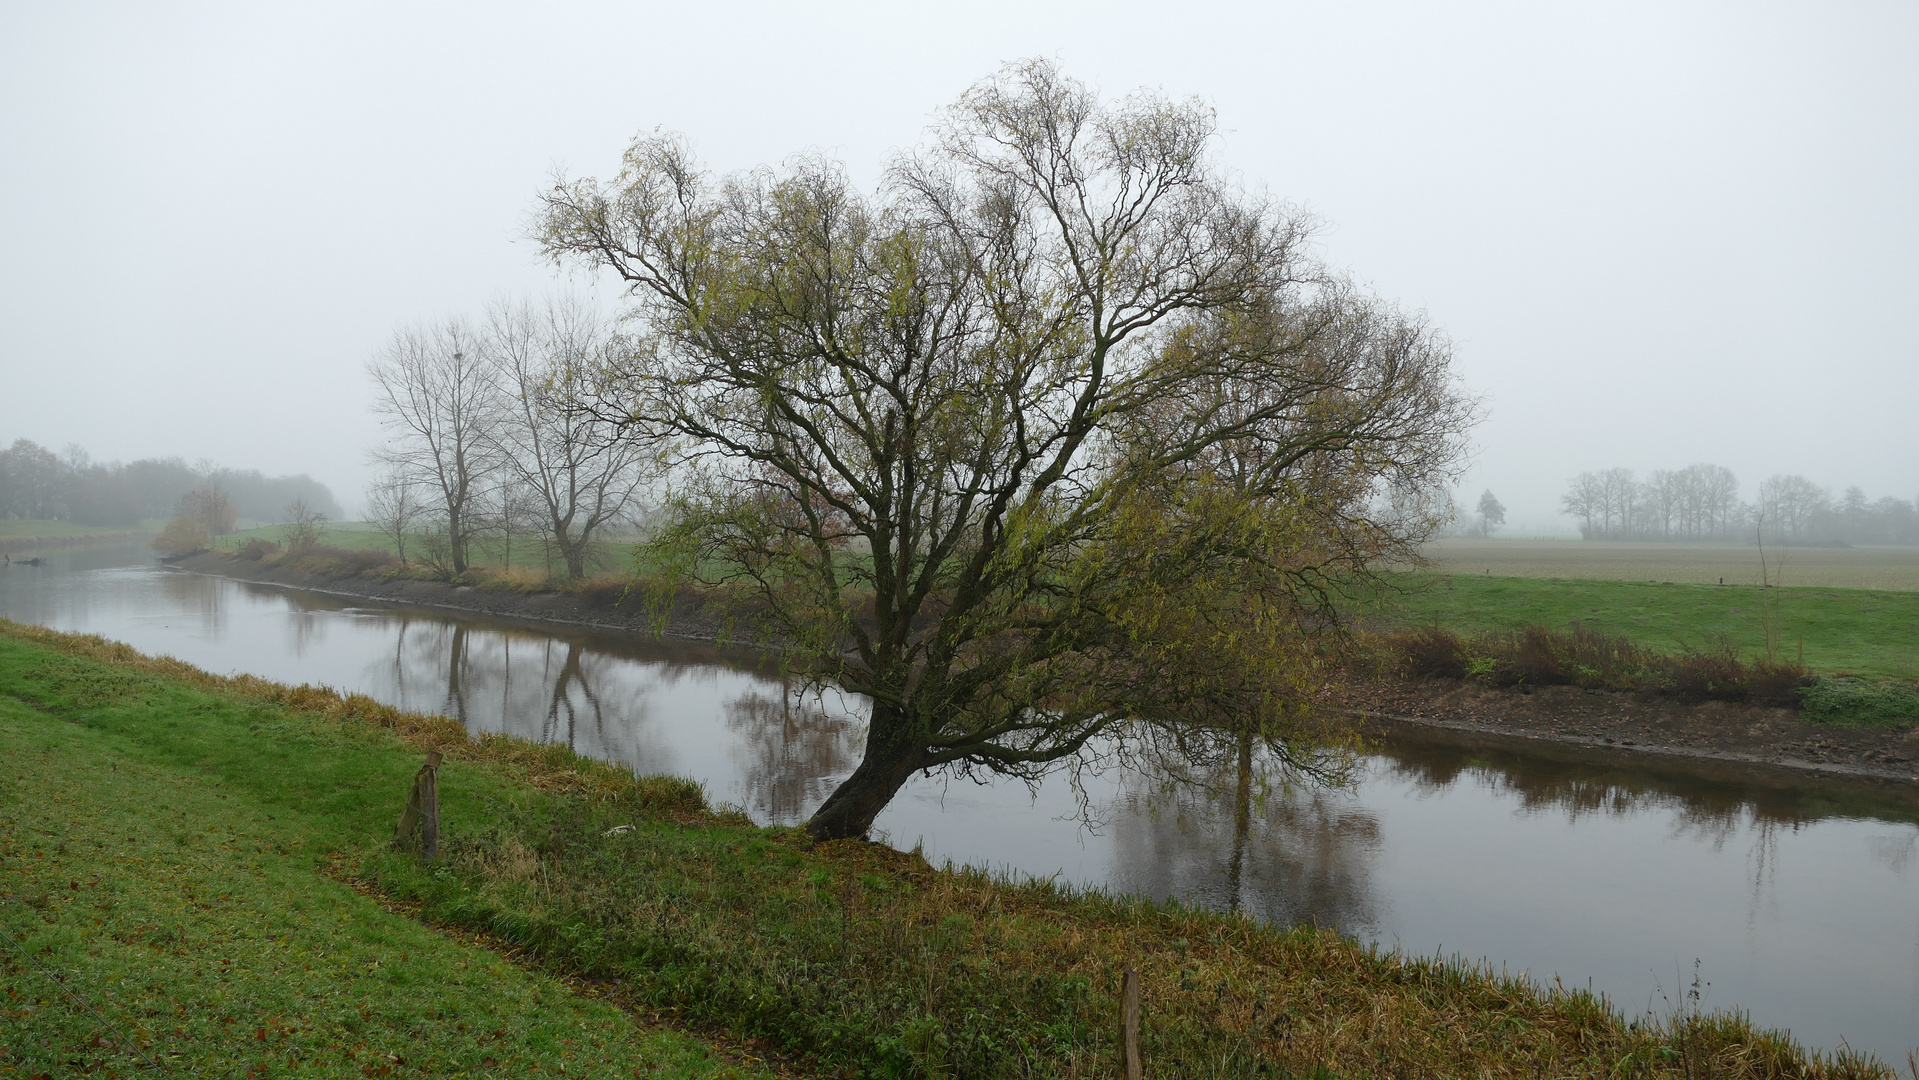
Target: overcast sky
1658, 233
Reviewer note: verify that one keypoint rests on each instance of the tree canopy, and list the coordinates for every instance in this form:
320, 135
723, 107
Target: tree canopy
1061, 438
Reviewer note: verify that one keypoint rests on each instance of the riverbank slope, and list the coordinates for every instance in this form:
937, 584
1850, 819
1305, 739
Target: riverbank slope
165, 898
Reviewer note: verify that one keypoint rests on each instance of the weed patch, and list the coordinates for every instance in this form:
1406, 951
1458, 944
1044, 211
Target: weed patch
1587, 658
1850, 700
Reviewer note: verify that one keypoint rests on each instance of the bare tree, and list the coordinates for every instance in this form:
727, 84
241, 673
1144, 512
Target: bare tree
305, 527
207, 507
1791, 504
1586, 501
394, 506
969, 447
573, 464
437, 398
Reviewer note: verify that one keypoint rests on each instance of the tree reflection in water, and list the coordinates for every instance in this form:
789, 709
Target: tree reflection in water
793, 748
1710, 804
1306, 854
542, 688
1296, 854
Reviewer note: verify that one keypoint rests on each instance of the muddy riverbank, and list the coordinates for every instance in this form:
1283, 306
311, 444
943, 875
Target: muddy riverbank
1730, 735
599, 608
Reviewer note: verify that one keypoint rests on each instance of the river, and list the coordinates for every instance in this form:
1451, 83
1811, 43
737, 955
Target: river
1794, 900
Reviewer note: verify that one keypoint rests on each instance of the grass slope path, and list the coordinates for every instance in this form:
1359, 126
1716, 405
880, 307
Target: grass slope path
158, 893
161, 829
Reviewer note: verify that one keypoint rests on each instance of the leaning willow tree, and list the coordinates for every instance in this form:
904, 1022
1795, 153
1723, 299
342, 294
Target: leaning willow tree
1061, 439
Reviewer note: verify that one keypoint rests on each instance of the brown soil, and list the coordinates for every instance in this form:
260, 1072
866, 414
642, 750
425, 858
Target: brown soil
600, 608
1715, 731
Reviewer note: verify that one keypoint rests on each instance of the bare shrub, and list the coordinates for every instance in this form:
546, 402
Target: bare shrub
606, 591
1777, 683
1540, 657
1430, 653
256, 550
1591, 659
304, 528
208, 508
182, 536
1711, 674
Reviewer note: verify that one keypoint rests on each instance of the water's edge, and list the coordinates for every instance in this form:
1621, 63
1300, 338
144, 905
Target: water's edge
1775, 767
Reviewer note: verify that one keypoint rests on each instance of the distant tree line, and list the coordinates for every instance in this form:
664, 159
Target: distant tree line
38, 483
492, 436
1701, 502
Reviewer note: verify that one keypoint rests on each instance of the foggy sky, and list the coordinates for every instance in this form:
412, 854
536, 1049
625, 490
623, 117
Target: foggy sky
1658, 233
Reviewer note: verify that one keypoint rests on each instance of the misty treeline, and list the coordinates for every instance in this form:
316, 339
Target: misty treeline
493, 437
1702, 502
40, 484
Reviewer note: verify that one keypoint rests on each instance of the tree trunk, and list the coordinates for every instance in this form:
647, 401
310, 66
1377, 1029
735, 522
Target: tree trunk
574, 552
1242, 816
456, 541
889, 762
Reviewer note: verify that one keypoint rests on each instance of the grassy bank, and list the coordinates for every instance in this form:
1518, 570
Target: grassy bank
197, 807
1864, 632
158, 888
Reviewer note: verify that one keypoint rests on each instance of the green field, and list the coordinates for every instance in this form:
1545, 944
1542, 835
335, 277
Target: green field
159, 894
1696, 564
1874, 633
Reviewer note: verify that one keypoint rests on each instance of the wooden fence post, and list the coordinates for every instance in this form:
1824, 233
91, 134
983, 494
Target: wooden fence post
422, 812
1131, 1066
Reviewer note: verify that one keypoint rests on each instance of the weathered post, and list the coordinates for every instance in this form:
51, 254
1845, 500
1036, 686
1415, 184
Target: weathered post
422, 811
1131, 1066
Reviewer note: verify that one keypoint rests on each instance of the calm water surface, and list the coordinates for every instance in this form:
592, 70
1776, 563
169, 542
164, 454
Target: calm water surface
1799, 900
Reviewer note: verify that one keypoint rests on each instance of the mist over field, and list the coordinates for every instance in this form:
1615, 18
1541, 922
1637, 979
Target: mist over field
1657, 234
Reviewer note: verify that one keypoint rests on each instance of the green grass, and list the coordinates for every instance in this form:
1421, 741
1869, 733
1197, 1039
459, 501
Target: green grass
342, 536
162, 829
1864, 632
159, 849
